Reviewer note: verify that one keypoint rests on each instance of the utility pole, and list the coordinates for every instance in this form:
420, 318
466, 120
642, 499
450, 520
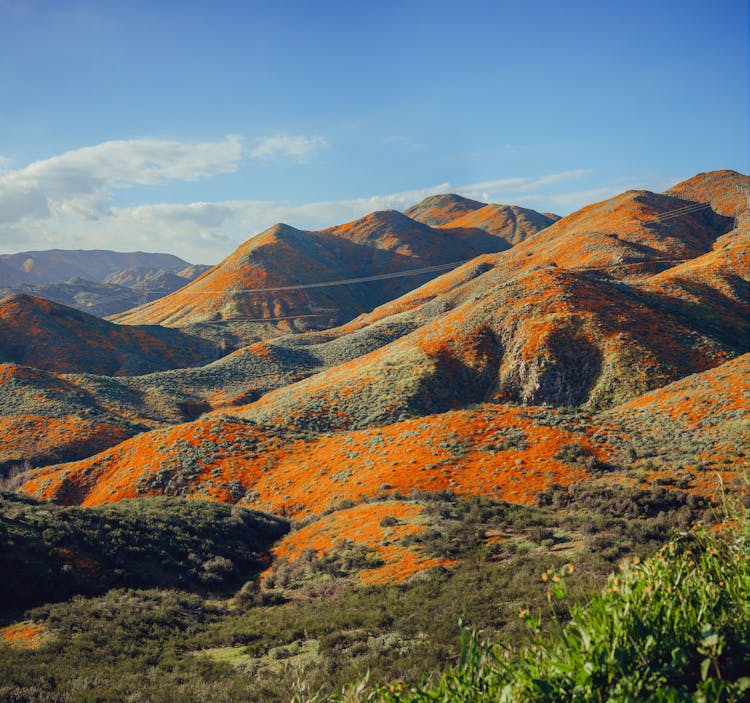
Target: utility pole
142, 293
742, 207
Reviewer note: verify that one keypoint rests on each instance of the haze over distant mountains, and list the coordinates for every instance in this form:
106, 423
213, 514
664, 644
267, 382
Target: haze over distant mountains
98, 281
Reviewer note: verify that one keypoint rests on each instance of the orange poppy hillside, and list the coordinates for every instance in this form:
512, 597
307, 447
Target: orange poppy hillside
285, 265
511, 223
509, 452
439, 210
37, 332
501, 450
376, 529
726, 191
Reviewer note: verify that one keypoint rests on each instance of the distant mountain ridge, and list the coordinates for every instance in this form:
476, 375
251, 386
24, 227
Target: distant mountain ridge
101, 282
60, 265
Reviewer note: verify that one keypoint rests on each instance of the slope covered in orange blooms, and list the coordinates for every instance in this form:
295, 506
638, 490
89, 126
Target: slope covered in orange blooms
529, 325
257, 288
438, 210
376, 528
692, 432
37, 332
725, 191
47, 417
508, 452
511, 223
608, 348
25, 635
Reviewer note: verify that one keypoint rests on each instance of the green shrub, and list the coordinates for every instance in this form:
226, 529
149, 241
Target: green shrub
673, 628
48, 553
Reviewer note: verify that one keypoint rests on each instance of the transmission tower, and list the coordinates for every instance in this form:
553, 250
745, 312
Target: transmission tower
742, 207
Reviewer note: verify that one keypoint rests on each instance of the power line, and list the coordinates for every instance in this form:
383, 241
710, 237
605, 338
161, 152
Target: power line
438, 268
687, 210
340, 282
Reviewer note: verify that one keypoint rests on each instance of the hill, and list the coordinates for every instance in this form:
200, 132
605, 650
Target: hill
527, 419
511, 223
51, 553
510, 452
37, 332
588, 335
48, 418
725, 191
437, 210
289, 280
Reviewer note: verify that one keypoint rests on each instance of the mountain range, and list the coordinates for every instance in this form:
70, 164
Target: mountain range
290, 280
100, 282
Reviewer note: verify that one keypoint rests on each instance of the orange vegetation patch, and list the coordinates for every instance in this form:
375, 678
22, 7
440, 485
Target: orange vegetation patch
700, 399
377, 526
27, 436
463, 451
25, 635
491, 450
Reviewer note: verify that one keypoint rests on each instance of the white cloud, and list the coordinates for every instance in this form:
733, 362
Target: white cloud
510, 188
298, 147
66, 201
574, 200
78, 184
205, 232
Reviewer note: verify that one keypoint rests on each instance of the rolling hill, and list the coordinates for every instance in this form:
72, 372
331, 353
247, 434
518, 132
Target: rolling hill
37, 332
507, 327
287, 266
545, 410
500, 329
511, 452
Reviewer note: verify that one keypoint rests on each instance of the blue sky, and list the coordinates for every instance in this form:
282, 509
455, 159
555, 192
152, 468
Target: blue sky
190, 126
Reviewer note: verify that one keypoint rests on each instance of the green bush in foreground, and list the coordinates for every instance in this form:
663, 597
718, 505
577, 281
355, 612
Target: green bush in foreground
673, 628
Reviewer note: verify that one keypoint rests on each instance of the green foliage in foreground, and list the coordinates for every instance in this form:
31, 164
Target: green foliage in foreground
673, 628
320, 631
48, 552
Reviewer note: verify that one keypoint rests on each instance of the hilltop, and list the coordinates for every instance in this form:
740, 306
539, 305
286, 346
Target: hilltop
437, 210
287, 266
37, 332
725, 191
